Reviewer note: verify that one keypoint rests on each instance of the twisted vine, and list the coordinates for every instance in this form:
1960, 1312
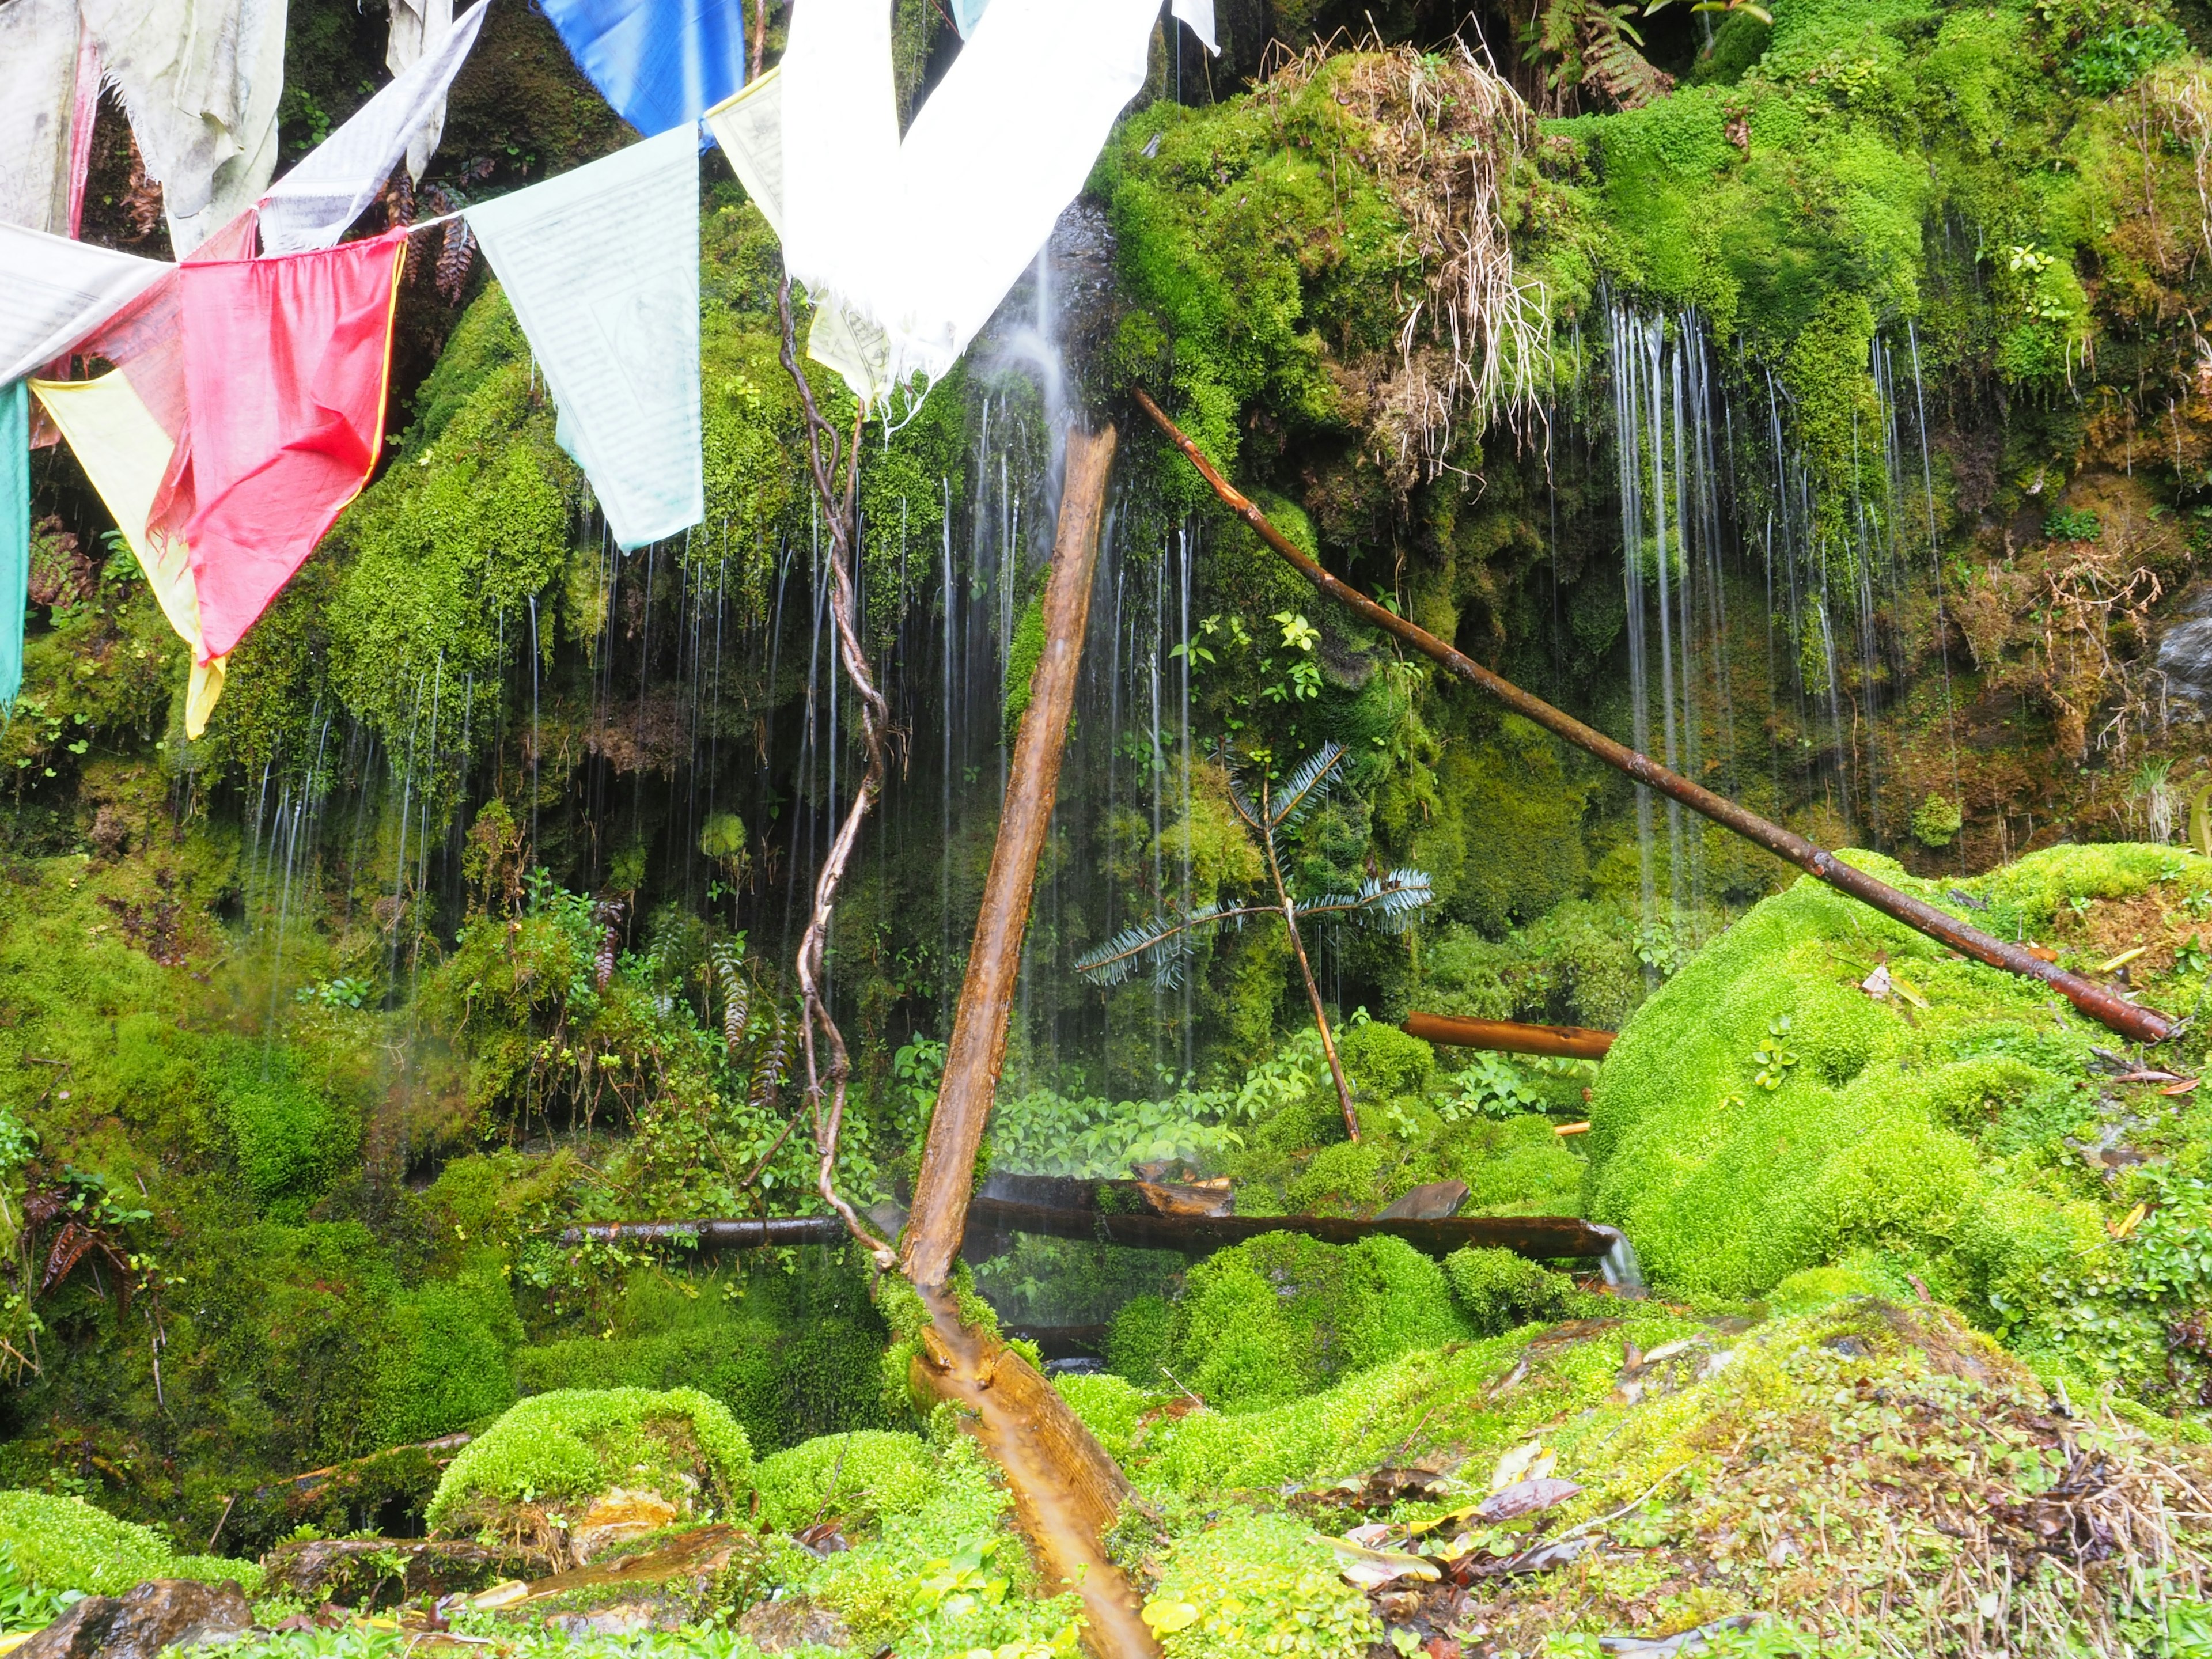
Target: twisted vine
826, 451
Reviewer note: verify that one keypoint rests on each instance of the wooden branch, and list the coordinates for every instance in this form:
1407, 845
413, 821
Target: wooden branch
2130, 1020
978, 1045
1066, 1491
1509, 1036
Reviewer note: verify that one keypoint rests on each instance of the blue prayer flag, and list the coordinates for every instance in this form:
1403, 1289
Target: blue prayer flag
659, 63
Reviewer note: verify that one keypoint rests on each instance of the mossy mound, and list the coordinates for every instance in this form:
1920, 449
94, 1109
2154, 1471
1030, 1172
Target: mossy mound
1765, 1114
1283, 1316
58, 1544
535, 1474
853, 1478
1257, 1583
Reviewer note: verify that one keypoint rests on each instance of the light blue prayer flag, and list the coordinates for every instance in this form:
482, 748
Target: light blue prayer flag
662, 64
601, 265
15, 534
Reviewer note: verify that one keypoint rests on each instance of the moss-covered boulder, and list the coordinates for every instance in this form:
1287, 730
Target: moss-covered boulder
853, 1478
1780, 1105
568, 1474
57, 1544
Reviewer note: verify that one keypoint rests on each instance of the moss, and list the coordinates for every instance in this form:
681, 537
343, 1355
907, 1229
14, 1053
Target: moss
1282, 1314
1933, 1136
1496, 1290
858, 1478
57, 1544
1111, 1407
1253, 1584
445, 1358
565, 1447
1024, 653
1139, 1341
1382, 1062
290, 1139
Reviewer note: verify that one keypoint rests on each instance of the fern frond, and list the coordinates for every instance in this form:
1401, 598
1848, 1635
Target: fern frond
737, 993
1165, 940
1306, 786
1612, 62
1390, 901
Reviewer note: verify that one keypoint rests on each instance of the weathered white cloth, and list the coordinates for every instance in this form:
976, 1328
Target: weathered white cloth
418, 26
201, 81
311, 206
602, 268
58, 291
1196, 15
923, 238
38, 98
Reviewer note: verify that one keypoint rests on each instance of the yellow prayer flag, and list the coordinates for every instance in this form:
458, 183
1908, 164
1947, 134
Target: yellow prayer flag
124, 452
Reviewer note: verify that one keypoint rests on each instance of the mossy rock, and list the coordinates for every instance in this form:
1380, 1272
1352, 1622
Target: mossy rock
1938, 1132
57, 1544
856, 1477
1282, 1314
557, 1467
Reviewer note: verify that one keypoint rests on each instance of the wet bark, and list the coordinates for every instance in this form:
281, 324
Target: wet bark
1510, 1036
978, 1044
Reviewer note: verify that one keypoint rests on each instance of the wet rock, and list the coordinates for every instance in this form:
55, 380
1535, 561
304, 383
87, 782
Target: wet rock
618, 1515
1436, 1201
2184, 655
161, 1612
358, 1571
780, 1626
660, 1589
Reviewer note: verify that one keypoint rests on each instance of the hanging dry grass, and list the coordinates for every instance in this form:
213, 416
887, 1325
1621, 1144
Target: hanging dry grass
1445, 137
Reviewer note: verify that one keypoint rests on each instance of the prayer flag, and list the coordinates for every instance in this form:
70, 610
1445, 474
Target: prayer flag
38, 46
614, 322
926, 236
125, 452
662, 64
311, 206
15, 535
418, 26
201, 81
285, 363
1196, 15
57, 291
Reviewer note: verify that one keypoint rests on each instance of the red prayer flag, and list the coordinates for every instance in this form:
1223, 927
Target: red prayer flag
285, 367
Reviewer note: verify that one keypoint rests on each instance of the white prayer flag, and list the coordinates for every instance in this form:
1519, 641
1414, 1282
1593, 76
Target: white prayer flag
1197, 14
58, 291
418, 26
602, 268
311, 206
37, 97
925, 236
748, 126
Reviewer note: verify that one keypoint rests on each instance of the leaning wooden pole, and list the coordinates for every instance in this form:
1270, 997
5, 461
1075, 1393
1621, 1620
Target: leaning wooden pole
1067, 1489
2130, 1020
978, 1045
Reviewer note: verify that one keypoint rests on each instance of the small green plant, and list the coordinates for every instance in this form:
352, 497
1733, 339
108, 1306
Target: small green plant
1656, 950
1493, 1087
1936, 821
340, 992
1775, 1059
2068, 525
957, 1585
2116, 60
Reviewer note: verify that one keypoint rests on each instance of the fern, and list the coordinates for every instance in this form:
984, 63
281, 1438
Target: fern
1613, 61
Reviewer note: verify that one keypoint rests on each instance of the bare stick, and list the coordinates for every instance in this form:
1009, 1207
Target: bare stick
1262, 827
2130, 1020
838, 511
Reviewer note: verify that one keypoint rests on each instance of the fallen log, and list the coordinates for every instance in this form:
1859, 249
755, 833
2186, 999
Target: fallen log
1540, 1238
990, 1220
2097, 1002
978, 1045
1509, 1036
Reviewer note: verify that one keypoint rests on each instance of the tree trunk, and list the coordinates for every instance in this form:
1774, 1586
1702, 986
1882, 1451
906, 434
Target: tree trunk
978, 1046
